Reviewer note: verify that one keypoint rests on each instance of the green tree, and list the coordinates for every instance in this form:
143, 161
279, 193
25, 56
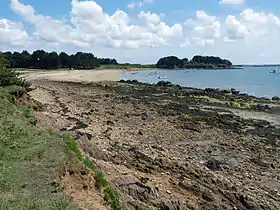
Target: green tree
64, 60
169, 62
51, 61
37, 59
4, 63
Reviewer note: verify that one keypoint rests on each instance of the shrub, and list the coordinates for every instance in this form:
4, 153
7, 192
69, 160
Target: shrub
10, 77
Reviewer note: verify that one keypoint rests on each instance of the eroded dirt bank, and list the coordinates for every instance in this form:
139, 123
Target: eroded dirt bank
168, 147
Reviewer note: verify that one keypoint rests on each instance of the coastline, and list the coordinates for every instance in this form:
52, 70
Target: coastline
184, 147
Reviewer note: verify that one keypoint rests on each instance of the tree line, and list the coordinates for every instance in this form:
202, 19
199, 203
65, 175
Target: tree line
40, 59
207, 62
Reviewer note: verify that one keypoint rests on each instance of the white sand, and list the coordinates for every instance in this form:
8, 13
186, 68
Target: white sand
76, 75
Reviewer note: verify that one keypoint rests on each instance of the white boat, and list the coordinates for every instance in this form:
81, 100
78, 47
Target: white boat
163, 77
275, 71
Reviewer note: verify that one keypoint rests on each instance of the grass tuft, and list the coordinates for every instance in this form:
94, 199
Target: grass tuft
28, 114
112, 197
100, 179
73, 146
88, 163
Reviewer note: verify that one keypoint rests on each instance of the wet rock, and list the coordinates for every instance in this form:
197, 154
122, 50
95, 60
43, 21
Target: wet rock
225, 91
79, 125
82, 136
109, 122
164, 83
234, 92
140, 133
276, 98
267, 107
209, 90
172, 203
141, 197
213, 164
260, 162
198, 191
136, 189
248, 202
142, 156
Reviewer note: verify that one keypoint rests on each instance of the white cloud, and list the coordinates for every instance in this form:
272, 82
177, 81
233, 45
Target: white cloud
153, 22
90, 25
139, 4
205, 29
12, 33
240, 38
251, 23
232, 2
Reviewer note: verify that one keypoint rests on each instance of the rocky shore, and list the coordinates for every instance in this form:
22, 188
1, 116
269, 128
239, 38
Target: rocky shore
165, 146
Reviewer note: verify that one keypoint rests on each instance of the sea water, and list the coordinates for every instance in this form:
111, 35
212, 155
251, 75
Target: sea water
257, 81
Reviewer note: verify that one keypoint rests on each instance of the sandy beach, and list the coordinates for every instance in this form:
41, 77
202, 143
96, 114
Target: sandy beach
75, 75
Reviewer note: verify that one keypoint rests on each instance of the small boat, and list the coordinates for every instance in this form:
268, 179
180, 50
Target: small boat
275, 71
163, 77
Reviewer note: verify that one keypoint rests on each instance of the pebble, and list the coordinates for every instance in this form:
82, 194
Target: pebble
168, 192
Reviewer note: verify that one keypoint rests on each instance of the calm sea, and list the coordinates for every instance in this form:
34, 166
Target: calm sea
257, 81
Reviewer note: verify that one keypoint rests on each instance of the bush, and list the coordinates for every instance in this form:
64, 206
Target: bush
11, 77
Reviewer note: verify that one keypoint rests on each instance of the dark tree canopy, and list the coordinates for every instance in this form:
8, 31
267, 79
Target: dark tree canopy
197, 61
40, 59
210, 60
170, 62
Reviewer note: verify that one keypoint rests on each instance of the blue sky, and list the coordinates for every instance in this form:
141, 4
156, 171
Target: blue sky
142, 31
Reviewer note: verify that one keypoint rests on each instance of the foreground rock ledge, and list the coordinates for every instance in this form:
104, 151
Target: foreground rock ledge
167, 147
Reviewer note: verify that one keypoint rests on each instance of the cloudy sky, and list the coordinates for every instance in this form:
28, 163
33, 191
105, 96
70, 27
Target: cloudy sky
244, 31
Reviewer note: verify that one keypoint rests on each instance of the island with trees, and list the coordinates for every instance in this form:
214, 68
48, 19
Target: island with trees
197, 62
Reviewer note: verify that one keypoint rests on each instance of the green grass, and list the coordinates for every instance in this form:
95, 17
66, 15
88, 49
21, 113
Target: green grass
112, 197
100, 179
29, 160
73, 146
28, 114
88, 164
